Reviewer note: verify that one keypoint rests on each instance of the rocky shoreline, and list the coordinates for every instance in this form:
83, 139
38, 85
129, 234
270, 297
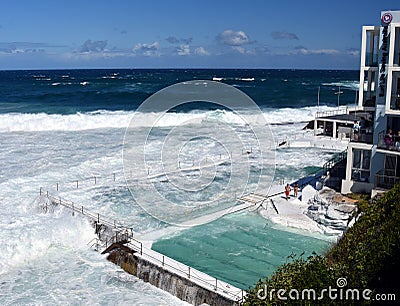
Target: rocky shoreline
314, 211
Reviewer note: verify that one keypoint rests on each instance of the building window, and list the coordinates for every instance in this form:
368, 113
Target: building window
372, 48
395, 98
387, 177
370, 79
361, 165
396, 58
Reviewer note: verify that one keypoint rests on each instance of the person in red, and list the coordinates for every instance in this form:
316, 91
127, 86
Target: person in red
287, 191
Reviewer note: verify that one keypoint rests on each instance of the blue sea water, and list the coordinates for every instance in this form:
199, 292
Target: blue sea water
67, 125
71, 91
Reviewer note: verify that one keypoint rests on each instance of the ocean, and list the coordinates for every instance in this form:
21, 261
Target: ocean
63, 126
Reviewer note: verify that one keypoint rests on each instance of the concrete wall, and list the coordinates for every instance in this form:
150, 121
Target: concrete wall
349, 186
166, 280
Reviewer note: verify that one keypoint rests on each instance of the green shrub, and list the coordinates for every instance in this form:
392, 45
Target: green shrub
367, 256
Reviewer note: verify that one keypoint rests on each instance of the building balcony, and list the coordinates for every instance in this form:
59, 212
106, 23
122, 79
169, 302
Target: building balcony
385, 181
343, 110
391, 143
364, 136
395, 102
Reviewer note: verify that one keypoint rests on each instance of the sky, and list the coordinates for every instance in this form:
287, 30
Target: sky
285, 34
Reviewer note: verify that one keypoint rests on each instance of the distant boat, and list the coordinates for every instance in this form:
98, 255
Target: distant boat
217, 79
247, 79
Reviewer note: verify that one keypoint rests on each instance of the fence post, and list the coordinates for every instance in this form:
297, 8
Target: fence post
40, 191
57, 186
216, 283
77, 184
189, 272
98, 218
114, 176
163, 260
73, 210
95, 180
82, 211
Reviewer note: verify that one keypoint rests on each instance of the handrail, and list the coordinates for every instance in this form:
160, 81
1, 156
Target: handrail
333, 161
80, 209
129, 175
392, 145
385, 181
217, 285
190, 273
273, 205
340, 111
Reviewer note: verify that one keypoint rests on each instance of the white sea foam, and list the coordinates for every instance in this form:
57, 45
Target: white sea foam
19, 122
353, 85
38, 247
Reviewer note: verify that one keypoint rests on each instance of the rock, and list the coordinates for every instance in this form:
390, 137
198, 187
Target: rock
307, 193
331, 211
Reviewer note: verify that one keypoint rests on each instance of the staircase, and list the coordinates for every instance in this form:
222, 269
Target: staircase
337, 171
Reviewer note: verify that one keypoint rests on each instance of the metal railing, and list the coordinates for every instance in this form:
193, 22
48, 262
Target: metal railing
54, 200
126, 177
202, 279
385, 181
388, 143
124, 236
333, 161
339, 111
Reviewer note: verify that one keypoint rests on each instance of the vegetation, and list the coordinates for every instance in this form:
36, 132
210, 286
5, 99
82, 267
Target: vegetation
366, 258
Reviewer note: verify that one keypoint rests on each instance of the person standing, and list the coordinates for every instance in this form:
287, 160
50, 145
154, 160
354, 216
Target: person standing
295, 189
287, 191
356, 130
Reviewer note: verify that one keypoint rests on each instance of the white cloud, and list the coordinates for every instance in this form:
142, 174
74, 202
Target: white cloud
353, 52
175, 40
201, 51
284, 35
93, 46
239, 49
172, 40
305, 51
183, 50
147, 49
24, 47
233, 38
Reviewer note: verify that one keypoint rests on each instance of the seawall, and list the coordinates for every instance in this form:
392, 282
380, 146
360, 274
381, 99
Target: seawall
179, 286
182, 281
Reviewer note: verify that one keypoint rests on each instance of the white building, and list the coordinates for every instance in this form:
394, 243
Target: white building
373, 163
